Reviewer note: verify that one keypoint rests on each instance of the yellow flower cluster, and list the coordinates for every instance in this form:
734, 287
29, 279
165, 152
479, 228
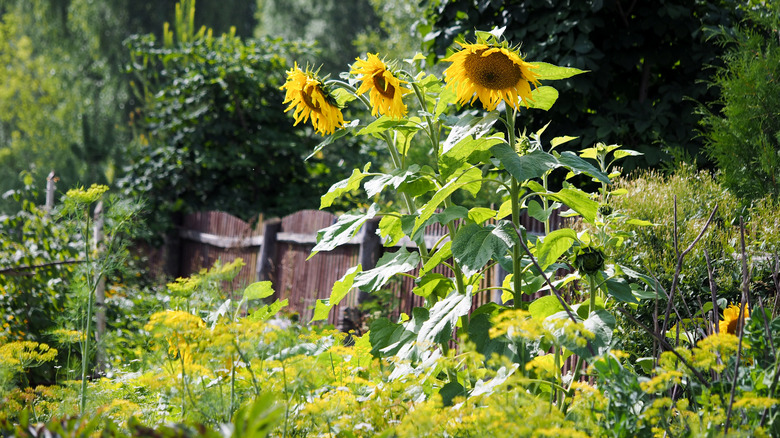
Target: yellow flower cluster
88, 196
25, 354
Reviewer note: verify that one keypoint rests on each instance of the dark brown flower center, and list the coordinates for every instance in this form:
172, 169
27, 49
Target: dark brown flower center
383, 87
732, 328
495, 71
306, 94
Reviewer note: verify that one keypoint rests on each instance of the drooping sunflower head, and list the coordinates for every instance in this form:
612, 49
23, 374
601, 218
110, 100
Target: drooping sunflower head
309, 97
730, 322
384, 88
492, 73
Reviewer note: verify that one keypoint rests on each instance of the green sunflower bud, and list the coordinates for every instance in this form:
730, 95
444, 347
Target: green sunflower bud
589, 260
605, 209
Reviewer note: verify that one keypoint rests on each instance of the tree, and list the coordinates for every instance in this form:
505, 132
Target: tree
742, 129
332, 24
213, 135
646, 60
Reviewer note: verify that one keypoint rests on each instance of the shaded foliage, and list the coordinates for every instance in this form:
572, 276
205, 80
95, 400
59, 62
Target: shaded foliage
742, 130
646, 61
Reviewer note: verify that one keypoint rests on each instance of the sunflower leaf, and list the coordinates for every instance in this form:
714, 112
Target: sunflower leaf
550, 72
469, 126
344, 186
544, 98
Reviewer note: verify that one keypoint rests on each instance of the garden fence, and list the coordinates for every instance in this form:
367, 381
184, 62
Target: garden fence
277, 250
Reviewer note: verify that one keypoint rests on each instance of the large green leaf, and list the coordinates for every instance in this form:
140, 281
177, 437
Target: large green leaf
385, 123
620, 289
433, 283
394, 179
578, 201
474, 245
455, 157
578, 165
443, 316
391, 228
388, 338
258, 290
601, 323
545, 306
436, 258
553, 72
345, 228
469, 177
265, 312
344, 186
554, 245
475, 127
524, 167
388, 265
544, 98
340, 290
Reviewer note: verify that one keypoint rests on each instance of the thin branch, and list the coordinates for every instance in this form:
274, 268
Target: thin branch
678, 269
549, 283
25, 270
713, 293
740, 325
665, 345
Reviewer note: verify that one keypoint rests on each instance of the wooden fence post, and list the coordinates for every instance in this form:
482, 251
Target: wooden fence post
370, 247
51, 186
100, 292
265, 260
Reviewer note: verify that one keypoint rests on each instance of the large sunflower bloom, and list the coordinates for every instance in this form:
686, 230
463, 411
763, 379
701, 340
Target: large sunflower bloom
384, 89
491, 74
731, 319
306, 93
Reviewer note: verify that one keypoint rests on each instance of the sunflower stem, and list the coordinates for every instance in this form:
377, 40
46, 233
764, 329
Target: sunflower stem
514, 196
432, 133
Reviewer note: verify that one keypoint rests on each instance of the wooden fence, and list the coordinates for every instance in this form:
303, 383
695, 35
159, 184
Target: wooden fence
277, 250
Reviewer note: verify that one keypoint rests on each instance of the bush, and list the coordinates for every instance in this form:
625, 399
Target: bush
743, 137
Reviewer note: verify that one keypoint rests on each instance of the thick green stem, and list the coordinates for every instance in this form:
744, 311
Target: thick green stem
514, 196
88, 321
396, 158
593, 289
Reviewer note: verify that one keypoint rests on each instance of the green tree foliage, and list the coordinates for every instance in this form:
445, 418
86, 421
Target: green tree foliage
332, 24
64, 97
213, 133
743, 134
646, 61
396, 36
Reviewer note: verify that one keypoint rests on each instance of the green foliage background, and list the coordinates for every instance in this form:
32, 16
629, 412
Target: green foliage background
647, 63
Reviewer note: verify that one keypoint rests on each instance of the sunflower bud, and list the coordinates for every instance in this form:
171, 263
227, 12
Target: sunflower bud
605, 209
589, 260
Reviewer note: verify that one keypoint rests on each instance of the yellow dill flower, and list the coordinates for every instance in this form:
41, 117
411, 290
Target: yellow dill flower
661, 382
87, 196
490, 73
26, 354
309, 97
384, 89
711, 352
730, 319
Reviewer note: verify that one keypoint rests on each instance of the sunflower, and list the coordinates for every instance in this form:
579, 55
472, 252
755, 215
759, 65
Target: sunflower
731, 318
307, 94
384, 88
490, 73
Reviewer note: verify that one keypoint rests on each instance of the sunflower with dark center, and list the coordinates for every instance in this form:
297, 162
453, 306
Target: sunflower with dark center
384, 88
731, 321
309, 97
490, 73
